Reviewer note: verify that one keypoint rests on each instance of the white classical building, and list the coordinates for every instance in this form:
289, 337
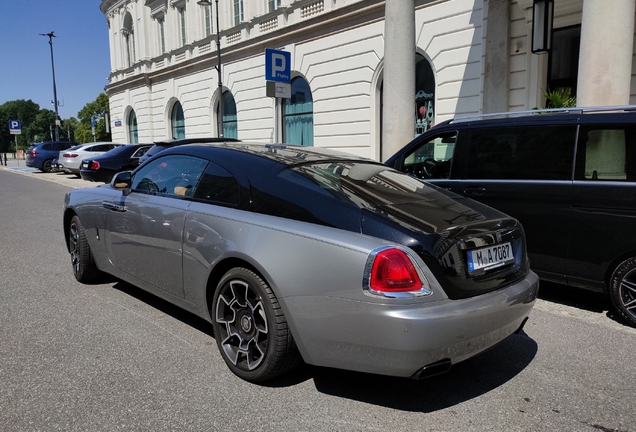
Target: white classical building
471, 57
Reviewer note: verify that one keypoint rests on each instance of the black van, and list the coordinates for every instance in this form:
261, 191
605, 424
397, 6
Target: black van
569, 176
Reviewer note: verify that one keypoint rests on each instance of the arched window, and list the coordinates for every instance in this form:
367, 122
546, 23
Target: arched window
424, 95
298, 114
131, 122
177, 121
128, 32
230, 124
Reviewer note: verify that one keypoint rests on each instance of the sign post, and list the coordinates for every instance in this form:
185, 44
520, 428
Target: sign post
278, 77
93, 128
15, 128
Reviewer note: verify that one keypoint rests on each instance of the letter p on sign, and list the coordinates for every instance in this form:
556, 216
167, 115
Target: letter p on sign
277, 65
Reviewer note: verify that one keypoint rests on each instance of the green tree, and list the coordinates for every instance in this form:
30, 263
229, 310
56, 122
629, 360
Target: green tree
22, 110
42, 127
96, 110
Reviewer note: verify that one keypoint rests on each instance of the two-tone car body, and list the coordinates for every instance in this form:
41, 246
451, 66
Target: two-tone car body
301, 253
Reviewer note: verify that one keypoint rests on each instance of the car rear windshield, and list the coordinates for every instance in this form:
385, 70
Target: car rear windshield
367, 185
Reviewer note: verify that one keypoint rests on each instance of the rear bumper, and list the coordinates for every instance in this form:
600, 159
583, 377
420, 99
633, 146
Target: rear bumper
399, 340
88, 175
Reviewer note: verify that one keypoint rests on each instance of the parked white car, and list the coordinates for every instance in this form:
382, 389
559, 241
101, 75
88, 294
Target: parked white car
70, 160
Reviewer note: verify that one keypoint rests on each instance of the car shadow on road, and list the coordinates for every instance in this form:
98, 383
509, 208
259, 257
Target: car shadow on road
467, 380
591, 301
158, 303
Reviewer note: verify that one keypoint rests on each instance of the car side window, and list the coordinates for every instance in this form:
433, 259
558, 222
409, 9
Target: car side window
607, 154
218, 185
46, 147
432, 158
140, 152
522, 153
171, 175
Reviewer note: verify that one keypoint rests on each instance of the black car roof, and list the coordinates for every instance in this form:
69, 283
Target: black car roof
280, 153
583, 115
184, 141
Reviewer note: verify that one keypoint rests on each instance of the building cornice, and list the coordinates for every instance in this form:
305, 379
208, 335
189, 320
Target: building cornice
336, 21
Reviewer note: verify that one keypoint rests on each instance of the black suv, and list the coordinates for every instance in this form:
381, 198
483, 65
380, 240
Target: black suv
568, 175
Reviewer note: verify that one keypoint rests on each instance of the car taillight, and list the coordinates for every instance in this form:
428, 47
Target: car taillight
33, 153
393, 271
69, 155
94, 165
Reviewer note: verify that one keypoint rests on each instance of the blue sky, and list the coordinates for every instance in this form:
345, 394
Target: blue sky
80, 50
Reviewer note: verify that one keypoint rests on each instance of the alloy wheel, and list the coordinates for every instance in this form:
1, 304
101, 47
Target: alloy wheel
627, 292
242, 319
74, 243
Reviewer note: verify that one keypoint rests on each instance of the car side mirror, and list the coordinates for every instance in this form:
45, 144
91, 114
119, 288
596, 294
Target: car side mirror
122, 180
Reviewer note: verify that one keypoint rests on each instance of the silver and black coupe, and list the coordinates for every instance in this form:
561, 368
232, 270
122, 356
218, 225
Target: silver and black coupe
303, 254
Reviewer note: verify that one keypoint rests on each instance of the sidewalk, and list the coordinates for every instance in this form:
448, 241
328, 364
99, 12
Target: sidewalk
13, 162
70, 180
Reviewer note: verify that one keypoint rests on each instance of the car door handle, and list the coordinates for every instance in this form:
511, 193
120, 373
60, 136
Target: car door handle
474, 191
116, 207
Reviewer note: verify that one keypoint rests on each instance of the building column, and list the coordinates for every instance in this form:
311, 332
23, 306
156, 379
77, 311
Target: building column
605, 60
496, 68
398, 114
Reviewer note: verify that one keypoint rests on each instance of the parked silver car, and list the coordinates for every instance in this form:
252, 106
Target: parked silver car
299, 253
70, 160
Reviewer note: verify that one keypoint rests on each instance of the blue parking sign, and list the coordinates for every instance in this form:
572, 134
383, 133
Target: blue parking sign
277, 65
15, 127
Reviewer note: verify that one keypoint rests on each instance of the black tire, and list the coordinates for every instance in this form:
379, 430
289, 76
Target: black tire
47, 166
84, 267
623, 290
250, 328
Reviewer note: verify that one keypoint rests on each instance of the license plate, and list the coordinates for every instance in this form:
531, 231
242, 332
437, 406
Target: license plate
490, 257
84, 164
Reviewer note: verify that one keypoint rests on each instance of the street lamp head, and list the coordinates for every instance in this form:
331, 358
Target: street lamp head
204, 3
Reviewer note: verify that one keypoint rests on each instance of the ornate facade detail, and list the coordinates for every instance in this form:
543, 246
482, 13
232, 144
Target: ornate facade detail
234, 37
312, 9
268, 25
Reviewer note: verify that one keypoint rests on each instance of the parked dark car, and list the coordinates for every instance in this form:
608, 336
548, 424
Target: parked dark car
569, 176
303, 253
160, 146
41, 155
122, 158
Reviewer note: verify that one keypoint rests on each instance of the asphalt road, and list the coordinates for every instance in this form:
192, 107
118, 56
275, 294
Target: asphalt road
110, 357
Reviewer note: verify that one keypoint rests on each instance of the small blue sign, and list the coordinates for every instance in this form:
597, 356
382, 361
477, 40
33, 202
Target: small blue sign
14, 125
277, 65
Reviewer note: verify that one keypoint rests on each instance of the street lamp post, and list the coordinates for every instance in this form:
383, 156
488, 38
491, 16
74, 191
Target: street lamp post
57, 117
208, 3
